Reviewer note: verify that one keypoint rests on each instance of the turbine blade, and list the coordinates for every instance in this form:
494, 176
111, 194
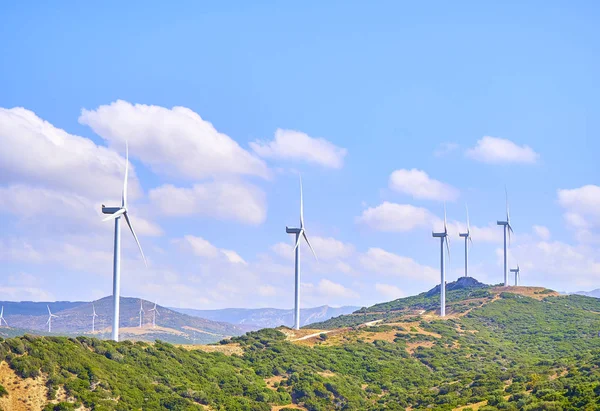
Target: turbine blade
115, 215
48, 320
124, 199
301, 206
136, 239
48, 307
308, 242
448, 246
507, 209
468, 224
298, 240
445, 220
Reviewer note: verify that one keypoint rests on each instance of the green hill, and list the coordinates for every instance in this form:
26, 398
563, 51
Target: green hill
514, 348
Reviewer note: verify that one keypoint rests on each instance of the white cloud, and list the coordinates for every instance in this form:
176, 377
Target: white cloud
222, 200
542, 232
233, 257
203, 248
379, 261
267, 291
36, 152
582, 211
295, 145
418, 184
335, 290
496, 150
391, 292
394, 217
63, 211
175, 141
19, 293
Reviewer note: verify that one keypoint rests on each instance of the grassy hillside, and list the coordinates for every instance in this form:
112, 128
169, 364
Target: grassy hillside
518, 349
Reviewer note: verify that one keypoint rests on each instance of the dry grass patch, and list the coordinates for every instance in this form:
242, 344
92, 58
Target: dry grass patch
290, 406
227, 349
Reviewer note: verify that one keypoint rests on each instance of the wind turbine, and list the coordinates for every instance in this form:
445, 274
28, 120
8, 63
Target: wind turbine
115, 214
300, 232
517, 272
507, 229
141, 311
94, 315
468, 238
443, 238
49, 322
2, 317
154, 314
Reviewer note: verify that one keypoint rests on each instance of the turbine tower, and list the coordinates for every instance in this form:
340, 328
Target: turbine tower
468, 239
300, 232
141, 311
94, 315
154, 314
49, 322
517, 272
507, 230
443, 236
116, 213
2, 317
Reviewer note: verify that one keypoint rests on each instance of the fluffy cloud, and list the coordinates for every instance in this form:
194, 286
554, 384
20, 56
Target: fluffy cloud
203, 248
326, 248
222, 200
36, 152
70, 212
295, 145
175, 141
542, 232
582, 211
496, 150
394, 217
391, 292
331, 289
418, 184
380, 261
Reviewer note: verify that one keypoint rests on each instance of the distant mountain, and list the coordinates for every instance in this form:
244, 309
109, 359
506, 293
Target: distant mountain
593, 293
76, 319
269, 317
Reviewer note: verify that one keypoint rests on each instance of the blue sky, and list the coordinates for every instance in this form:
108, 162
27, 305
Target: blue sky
386, 110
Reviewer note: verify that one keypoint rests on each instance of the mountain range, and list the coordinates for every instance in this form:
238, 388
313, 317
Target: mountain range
269, 317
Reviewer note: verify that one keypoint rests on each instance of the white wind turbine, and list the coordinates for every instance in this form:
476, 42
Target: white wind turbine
94, 315
154, 314
49, 322
116, 213
300, 232
517, 272
2, 317
507, 230
443, 236
141, 311
468, 239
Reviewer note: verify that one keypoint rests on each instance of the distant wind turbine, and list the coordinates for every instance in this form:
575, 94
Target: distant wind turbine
154, 314
507, 229
468, 239
443, 236
49, 322
116, 213
517, 272
94, 315
141, 311
2, 317
300, 232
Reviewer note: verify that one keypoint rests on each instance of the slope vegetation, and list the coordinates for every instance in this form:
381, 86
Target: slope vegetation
506, 350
